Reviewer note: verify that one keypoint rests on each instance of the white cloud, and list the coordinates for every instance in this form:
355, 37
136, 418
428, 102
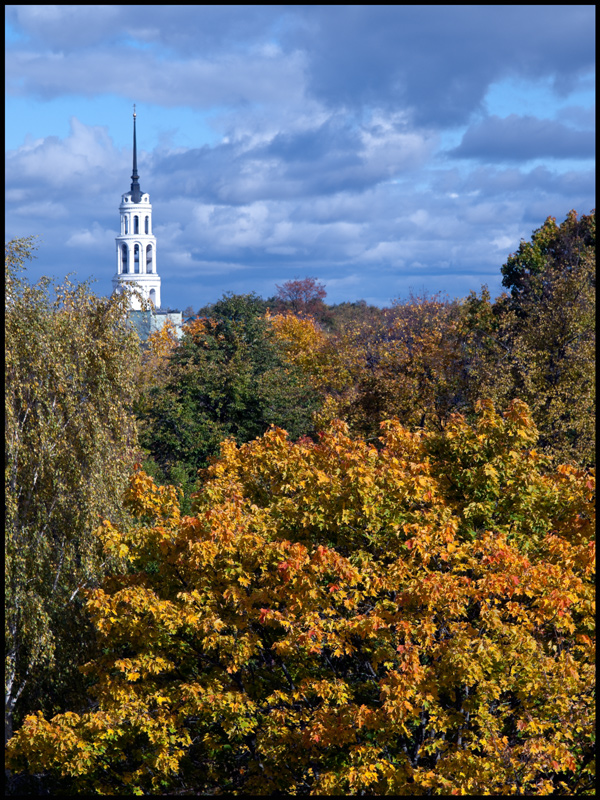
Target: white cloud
386, 251
502, 242
85, 157
420, 217
96, 237
43, 209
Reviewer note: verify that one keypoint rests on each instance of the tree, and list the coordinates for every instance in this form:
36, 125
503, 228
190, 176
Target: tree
311, 350
405, 362
428, 357
302, 296
343, 314
227, 377
564, 247
538, 343
70, 446
340, 619
153, 370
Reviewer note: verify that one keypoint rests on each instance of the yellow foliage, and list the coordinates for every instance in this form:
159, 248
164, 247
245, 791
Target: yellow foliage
337, 617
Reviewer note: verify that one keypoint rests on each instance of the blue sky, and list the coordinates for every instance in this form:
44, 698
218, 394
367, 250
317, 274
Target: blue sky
380, 149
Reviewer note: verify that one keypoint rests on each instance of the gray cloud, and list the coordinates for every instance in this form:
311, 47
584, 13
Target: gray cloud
522, 138
439, 60
578, 116
490, 181
191, 30
263, 77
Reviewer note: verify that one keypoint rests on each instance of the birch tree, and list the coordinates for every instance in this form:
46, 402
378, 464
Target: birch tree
70, 438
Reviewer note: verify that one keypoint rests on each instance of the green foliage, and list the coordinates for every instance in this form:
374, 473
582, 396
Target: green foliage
70, 434
553, 247
539, 344
232, 305
227, 377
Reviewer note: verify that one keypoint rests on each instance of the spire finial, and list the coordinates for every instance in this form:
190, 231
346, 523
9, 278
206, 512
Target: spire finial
136, 192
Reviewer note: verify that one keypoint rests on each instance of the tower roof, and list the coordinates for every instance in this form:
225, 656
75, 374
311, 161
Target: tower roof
136, 192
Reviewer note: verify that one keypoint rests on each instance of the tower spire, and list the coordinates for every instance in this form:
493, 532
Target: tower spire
136, 192
136, 244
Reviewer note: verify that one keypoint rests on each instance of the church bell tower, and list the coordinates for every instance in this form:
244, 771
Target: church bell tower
136, 245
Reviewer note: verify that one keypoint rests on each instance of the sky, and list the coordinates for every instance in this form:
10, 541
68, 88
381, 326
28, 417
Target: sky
383, 150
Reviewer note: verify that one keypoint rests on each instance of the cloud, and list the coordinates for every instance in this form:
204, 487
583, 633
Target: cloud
578, 116
351, 57
191, 29
492, 181
60, 27
185, 263
328, 157
84, 160
199, 82
438, 61
44, 209
522, 138
92, 239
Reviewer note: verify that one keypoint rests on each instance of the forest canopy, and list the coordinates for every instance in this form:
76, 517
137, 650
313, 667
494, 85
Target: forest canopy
305, 548
334, 618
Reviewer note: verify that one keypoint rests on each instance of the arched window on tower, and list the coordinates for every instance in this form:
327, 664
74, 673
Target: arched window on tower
125, 229
136, 224
147, 225
124, 258
136, 257
149, 259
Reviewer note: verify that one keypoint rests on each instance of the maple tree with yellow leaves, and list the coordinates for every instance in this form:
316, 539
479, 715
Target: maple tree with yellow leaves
337, 617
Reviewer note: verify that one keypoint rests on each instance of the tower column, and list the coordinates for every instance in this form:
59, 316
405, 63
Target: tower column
136, 208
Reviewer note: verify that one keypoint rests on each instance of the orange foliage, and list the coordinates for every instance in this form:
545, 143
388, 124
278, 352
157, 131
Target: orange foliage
336, 618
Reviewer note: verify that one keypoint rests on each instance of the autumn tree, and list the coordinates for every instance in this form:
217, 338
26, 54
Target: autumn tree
309, 348
347, 313
552, 285
405, 362
302, 296
336, 618
153, 368
70, 435
429, 356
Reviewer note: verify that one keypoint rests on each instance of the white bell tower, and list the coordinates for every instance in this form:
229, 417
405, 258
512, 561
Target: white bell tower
136, 245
